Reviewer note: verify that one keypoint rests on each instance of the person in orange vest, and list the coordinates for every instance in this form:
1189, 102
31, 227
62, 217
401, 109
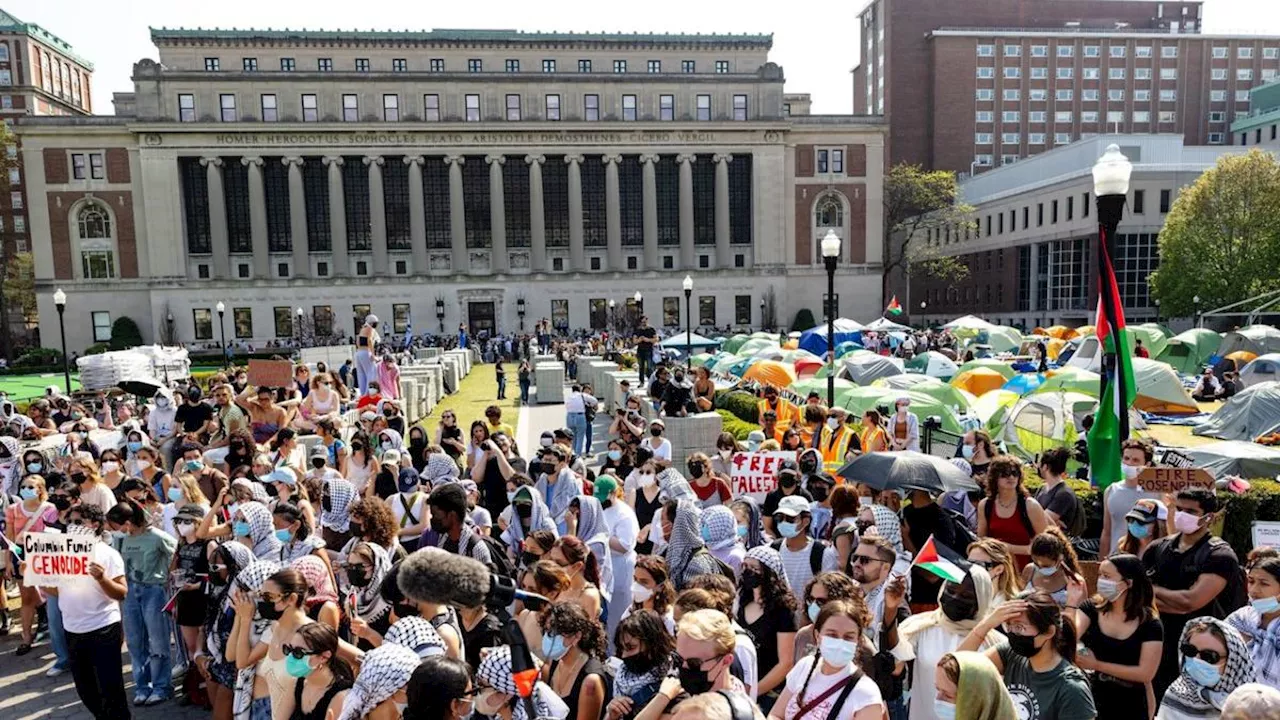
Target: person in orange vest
833, 443
785, 411
770, 427
814, 417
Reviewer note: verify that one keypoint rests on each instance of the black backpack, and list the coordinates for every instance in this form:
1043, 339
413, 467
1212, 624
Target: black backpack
960, 530
816, 551
499, 562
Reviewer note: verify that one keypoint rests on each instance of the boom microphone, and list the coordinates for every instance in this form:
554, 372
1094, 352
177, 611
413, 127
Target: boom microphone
437, 576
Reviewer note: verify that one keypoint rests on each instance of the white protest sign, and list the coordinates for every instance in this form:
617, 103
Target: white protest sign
1266, 532
756, 473
55, 559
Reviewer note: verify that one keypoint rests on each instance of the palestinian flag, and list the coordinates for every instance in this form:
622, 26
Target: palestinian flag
941, 561
1111, 424
894, 308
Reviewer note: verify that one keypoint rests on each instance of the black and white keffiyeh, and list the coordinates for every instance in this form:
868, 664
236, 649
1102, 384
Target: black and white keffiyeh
369, 603
673, 486
495, 672
1192, 700
258, 492
755, 522
769, 558
340, 493
416, 634
722, 527
384, 671
539, 517
682, 554
250, 580
262, 533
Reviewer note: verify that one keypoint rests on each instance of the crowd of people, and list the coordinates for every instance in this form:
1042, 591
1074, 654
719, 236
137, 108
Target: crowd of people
249, 543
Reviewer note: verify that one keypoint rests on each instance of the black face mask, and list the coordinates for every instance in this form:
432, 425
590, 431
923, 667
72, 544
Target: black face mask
326, 502
356, 447
62, 502
524, 510
318, 463
750, 580
271, 490
1024, 645
268, 610
819, 492
217, 579
958, 609
357, 529
656, 432
79, 478
696, 469
358, 578
808, 465
694, 681
637, 664
417, 442
527, 559
787, 481
438, 526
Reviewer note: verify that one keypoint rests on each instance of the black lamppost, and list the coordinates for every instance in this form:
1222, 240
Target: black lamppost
168, 319
762, 323
440, 313
297, 325
1198, 319
520, 312
613, 317
222, 327
60, 302
830, 256
1111, 188
688, 321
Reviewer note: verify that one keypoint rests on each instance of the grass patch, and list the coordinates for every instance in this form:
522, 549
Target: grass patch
476, 392
27, 387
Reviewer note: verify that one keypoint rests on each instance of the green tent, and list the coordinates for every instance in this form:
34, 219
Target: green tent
1042, 421
1071, 379
1187, 352
701, 359
934, 364
804, 386
755, 345
938, 390
734, 343
1152, 337
1003, 339
1003, 368
860, 399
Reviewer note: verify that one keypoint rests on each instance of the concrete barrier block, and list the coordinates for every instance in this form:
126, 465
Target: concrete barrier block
452, 374
695, 433
549, 379
610, 392
593, 372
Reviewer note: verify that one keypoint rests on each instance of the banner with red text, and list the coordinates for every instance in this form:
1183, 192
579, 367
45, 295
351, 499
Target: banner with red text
756, 473
55, 559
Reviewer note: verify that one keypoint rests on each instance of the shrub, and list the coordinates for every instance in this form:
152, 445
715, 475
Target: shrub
739, 429
39, 357
804, 320
125, 333
741, 405
97, 349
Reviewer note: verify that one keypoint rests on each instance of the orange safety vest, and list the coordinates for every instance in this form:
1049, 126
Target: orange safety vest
787, 413
873, 436
834, 449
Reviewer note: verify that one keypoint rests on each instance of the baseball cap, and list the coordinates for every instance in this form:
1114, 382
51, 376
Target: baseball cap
563, 433
1147, 510
658, 422
319, 451
391, 457
191, 512
280, 475
792, 505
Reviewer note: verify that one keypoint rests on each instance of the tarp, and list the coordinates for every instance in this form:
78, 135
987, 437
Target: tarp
1001, 367
1160, 390
862, 367
1060, 332
1257, 339
734, 343
979, 381
695, 340
933, 387
1188, 351
1246, 416
934, 364
1263, 369
1235, 457
815, 339
771, 372
1038, 422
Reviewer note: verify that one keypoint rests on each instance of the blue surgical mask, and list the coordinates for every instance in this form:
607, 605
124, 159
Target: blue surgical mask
553, 647
813, 610
1201, 672
27, 493
1047, 571
615, 455
134, 445
117, 534
240, 528
944, 710
175, 495
836, 651
743, 531
788, 529
706, 534
1138, 530
1266, 605
511, 496
967, 452
34, 468
284, 535
194, 465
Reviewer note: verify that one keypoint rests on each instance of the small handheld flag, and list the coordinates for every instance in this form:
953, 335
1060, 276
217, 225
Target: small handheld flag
941, 561
894, 308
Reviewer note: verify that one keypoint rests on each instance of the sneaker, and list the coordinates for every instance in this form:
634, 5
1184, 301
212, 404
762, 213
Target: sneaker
23, 649
155, 699
54, 672
141, 698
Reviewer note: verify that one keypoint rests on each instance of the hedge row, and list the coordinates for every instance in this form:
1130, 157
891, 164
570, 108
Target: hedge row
741, 405
736, 427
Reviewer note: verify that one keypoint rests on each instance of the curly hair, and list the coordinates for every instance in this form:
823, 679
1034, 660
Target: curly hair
648, 629
838, 586
1053, 544
665, 593
774, 592
570, 619
375, 516
1004, 466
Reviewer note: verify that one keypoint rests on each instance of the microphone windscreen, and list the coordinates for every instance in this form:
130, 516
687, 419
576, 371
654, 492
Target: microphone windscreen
437, 576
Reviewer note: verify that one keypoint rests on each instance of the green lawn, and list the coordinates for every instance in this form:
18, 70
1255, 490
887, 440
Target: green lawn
26, 387
478, 391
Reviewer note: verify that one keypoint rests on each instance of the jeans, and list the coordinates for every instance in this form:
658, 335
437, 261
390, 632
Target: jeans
645, 361
897, 709
502, 387
586, 446
98, 672
578, 424
57, 634
524, 392
147, 632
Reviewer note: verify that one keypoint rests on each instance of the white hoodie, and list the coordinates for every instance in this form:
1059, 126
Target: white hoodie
160, 420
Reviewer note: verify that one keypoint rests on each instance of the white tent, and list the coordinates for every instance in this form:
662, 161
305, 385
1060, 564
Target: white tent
1261, 369
695, 340
1257, 339
884, 324
969, 322
842, 325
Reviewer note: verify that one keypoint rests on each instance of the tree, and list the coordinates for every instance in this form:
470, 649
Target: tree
125, 333
917, 201
804, 320
1221, 239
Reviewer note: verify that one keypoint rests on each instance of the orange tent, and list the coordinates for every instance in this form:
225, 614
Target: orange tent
791, 344
1241, 358
771, 372
978, 381
807, 366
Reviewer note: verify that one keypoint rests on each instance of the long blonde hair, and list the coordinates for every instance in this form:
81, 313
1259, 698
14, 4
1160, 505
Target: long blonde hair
191, 489
1010, 582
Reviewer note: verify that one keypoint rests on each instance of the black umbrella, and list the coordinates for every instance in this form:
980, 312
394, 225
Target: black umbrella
142, 388
906, 469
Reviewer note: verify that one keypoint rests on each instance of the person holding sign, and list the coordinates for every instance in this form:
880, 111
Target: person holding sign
29, 516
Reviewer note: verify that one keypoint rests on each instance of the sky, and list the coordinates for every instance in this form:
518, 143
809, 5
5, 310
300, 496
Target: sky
817, 45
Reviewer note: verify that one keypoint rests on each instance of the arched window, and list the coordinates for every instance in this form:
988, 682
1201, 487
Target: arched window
96, 241
829, 213
94, 222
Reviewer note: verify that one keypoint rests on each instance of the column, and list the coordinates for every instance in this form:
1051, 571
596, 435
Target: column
298, 217
377, 214
417, 214
687, 261
337, 217
218, 241
650, 200
457, 218
724, 258
613, 213
537, 221
497, 213
577, 255
258, 217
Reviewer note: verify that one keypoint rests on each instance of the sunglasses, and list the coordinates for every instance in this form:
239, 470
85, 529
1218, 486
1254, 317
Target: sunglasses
1213, 657
985, 564
296, 651
865, 559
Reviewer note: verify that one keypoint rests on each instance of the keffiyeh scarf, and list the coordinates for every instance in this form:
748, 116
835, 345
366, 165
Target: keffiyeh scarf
369, 603
755, 523
722, 527
539, 518
341, 493
495, 672
1263, 643
384, 671
439, 467
771, 559
250, 579
416, 634
683, 546
320, 584
266, 546
1185, 696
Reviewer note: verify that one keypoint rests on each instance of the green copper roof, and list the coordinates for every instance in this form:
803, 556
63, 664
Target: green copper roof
11, 24
457, 35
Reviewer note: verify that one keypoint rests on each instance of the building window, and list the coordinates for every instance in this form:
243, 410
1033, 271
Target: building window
1168, 73
212, 65
1115, 95
655, 66
436, 65
1089, 95
704, 108
1215, 138
96, 171
324, 64
1116, 51
552, 107
687, 66
475, 65
1139, 201
1012, 73
666, 107
560, 313
249, 64
399, 65
1165, 198
1218, 74
982, 160
1039, 51
584, 66
1217, 96
513, 107
739, 107
1169, 51
77, 166
1091, 73
1010, 138
431, 107
1142, 51
1217, 116
1011, 116
287, 64
202, 320
228, 105
986, 72
1115, 74
986, 50
1065, 51
1142, 96
982, 138
722, 66
1242, 96
628, 107
186, 107
591, 107
310, 110
473, 108
1092, 51
1038, 95
1244, 74
1142, 73
1013, 51
829, 212
548, 66
985, 94
1039, 73
1035, 139
513, 65
269, 113
362, 65
983, 116
1063, 95
1168, 116
391, 108
350, 108
619, 66
283, 321
1065, 73
1219, 52
1012, 95
1168, 95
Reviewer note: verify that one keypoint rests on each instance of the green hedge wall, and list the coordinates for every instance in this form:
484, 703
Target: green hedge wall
736, 427
739, 404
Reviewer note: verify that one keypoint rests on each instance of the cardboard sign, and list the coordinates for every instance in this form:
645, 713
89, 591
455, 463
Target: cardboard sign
756, 473
1171, 479
270, 373
55, 559
1266, 532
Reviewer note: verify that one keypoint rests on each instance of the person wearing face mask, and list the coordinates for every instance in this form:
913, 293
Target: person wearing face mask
970, 688
643, 494
722, 461
558, 485
1213, 663
656, 443
448, 519
978, 450
622, 529
788, 486
705, 642
211, 480
496, 467
802, 556
711, 490
819, 486
1119, 498
182, 492
279, 603
619, 458
1054, 566
830, 684
320, 677
1120, 638
904, 427
1190, 571
293, 529
838, 441
720, 533
190, 573
379, 692
147, 553
32, 514
644, 648
498, 692
1256, 621
573, 645
1146, 522
677, 396
652, 590
767, 609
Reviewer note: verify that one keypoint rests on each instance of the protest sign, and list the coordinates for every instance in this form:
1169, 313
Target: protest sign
1266, 532
55, 559
756, 473
1172, 479
270, 373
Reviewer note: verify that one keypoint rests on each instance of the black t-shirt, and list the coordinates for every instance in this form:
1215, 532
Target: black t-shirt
451, 433
486, 634
193, 417
1118, 699
923, 522
1062, 501
192, 560
772, 499
646, 337
765, 631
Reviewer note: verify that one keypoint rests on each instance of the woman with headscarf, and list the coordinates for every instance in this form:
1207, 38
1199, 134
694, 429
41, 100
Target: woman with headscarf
225, 563
888, 526
417, 634
366, 567
685, 552
439, 466
767, 609
335, 517
366, 342
252, 699
379, 692
251, 524
321, 603
970, 688
720, 533
750, 522
417, 448
499, 691
1215, 661
928, 636
590, 529
528, 514
10, 465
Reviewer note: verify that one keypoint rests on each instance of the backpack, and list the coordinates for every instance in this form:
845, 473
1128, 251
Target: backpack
499, 562
960, 530
722, 567
408, 518
816, 551
1233, 595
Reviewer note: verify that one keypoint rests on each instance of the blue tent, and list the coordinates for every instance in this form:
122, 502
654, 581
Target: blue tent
815, 339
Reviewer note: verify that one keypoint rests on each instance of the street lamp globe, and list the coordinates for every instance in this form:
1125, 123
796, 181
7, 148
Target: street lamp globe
638, 296
612, 304
299, 312
1111, 173
1195, 300
59, 298
831, 245
687, 284
220, 307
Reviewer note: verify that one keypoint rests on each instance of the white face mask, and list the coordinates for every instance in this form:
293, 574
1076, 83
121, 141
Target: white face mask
142, 465
646, 480
833, 423
187, 530
640, 593
1130, 471
111, 466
